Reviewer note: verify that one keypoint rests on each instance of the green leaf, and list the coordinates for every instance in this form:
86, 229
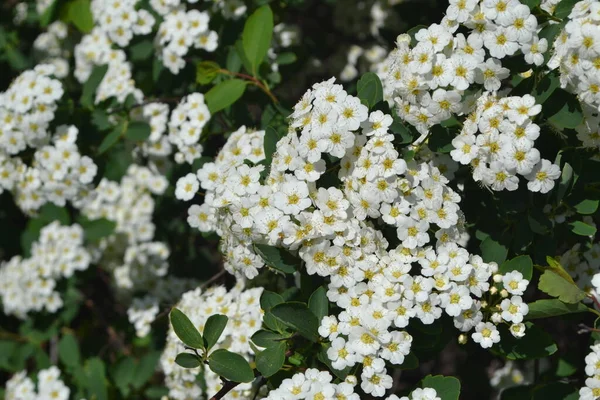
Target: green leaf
264, 338
531, 3
49, 14
90, 86
68, 351
587, 207
138, 131
269, 299
286, 58
297, 316
97, 229
100, 120
145, 369
185, 330
566, 367
188, 360
318, 303
535, 344
440, 140
80, 14
257, 35
545, 87
122, 375
492, 250
563, 110
558, 269
206, 72
516, 393
582, 229
270, 360
112, 138
224, 94
278, 258
555, 391
370, 90
96, 379
410, 362
563, 9
547, 308
51, 212
214, 327
523, 264
557, 286
142, 50
230, 366
446, 387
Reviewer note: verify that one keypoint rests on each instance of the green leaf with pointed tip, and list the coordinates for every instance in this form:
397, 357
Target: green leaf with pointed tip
188, 360
90, 86
214, 327
230, 366
297, 316
224, 94
185, 330
318, 303
270, 360
370, 90
68, 351
556, 285
256, 37
278, 258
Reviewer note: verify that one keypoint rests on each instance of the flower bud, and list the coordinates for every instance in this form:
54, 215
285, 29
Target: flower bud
497, 278
462, 338
493, 290
496, 318
504, 293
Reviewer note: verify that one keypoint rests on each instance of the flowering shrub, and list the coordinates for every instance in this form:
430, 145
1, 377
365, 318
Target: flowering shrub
300, 199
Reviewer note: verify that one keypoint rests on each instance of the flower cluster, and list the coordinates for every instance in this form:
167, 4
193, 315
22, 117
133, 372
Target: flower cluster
497, 140
185, 127
242, 307
591, 390
49, 386
96, 49
334, 228
58, 173
374, 56
157, 147
29, 284
50, 44
26, 109
429, 83
180, 31
577, 53
121, 19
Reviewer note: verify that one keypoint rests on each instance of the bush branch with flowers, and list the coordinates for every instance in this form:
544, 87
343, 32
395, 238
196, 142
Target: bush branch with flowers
300, 199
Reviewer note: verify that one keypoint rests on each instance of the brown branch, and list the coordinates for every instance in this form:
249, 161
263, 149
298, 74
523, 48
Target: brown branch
256, 82
227, 387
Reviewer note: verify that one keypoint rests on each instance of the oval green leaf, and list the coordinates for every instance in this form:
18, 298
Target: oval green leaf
224, 94
230, 366
185, 330
214, 327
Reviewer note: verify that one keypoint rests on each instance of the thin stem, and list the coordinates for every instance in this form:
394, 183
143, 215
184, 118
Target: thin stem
256, 82
145, 103
228, 386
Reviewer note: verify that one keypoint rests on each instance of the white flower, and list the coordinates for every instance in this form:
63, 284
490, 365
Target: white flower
486, 334
513, 310
514, 283
542, 176
187, 187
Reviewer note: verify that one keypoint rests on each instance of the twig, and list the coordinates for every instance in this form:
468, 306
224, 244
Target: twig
227, 387
145, 103
256, 82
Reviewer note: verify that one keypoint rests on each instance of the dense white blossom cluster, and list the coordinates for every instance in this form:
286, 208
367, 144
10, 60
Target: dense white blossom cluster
185, 127
121, 20
435, 79
50, 45
29, 284
95, 49
333, 225
242, 307
577, 53
26, 109
49, 386
591, 390
180, 31
57, 174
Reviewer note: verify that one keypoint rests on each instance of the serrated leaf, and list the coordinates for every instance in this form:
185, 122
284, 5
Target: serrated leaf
555, 285
187, 360
138, 131
523, 264
370, 90
297, 316
256, 37
230, 366
185, 330
535, 344
547, 308
270, 360
446, 387
582, 229
214, 327
278, 258
100, 120
224, 94
318, 303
